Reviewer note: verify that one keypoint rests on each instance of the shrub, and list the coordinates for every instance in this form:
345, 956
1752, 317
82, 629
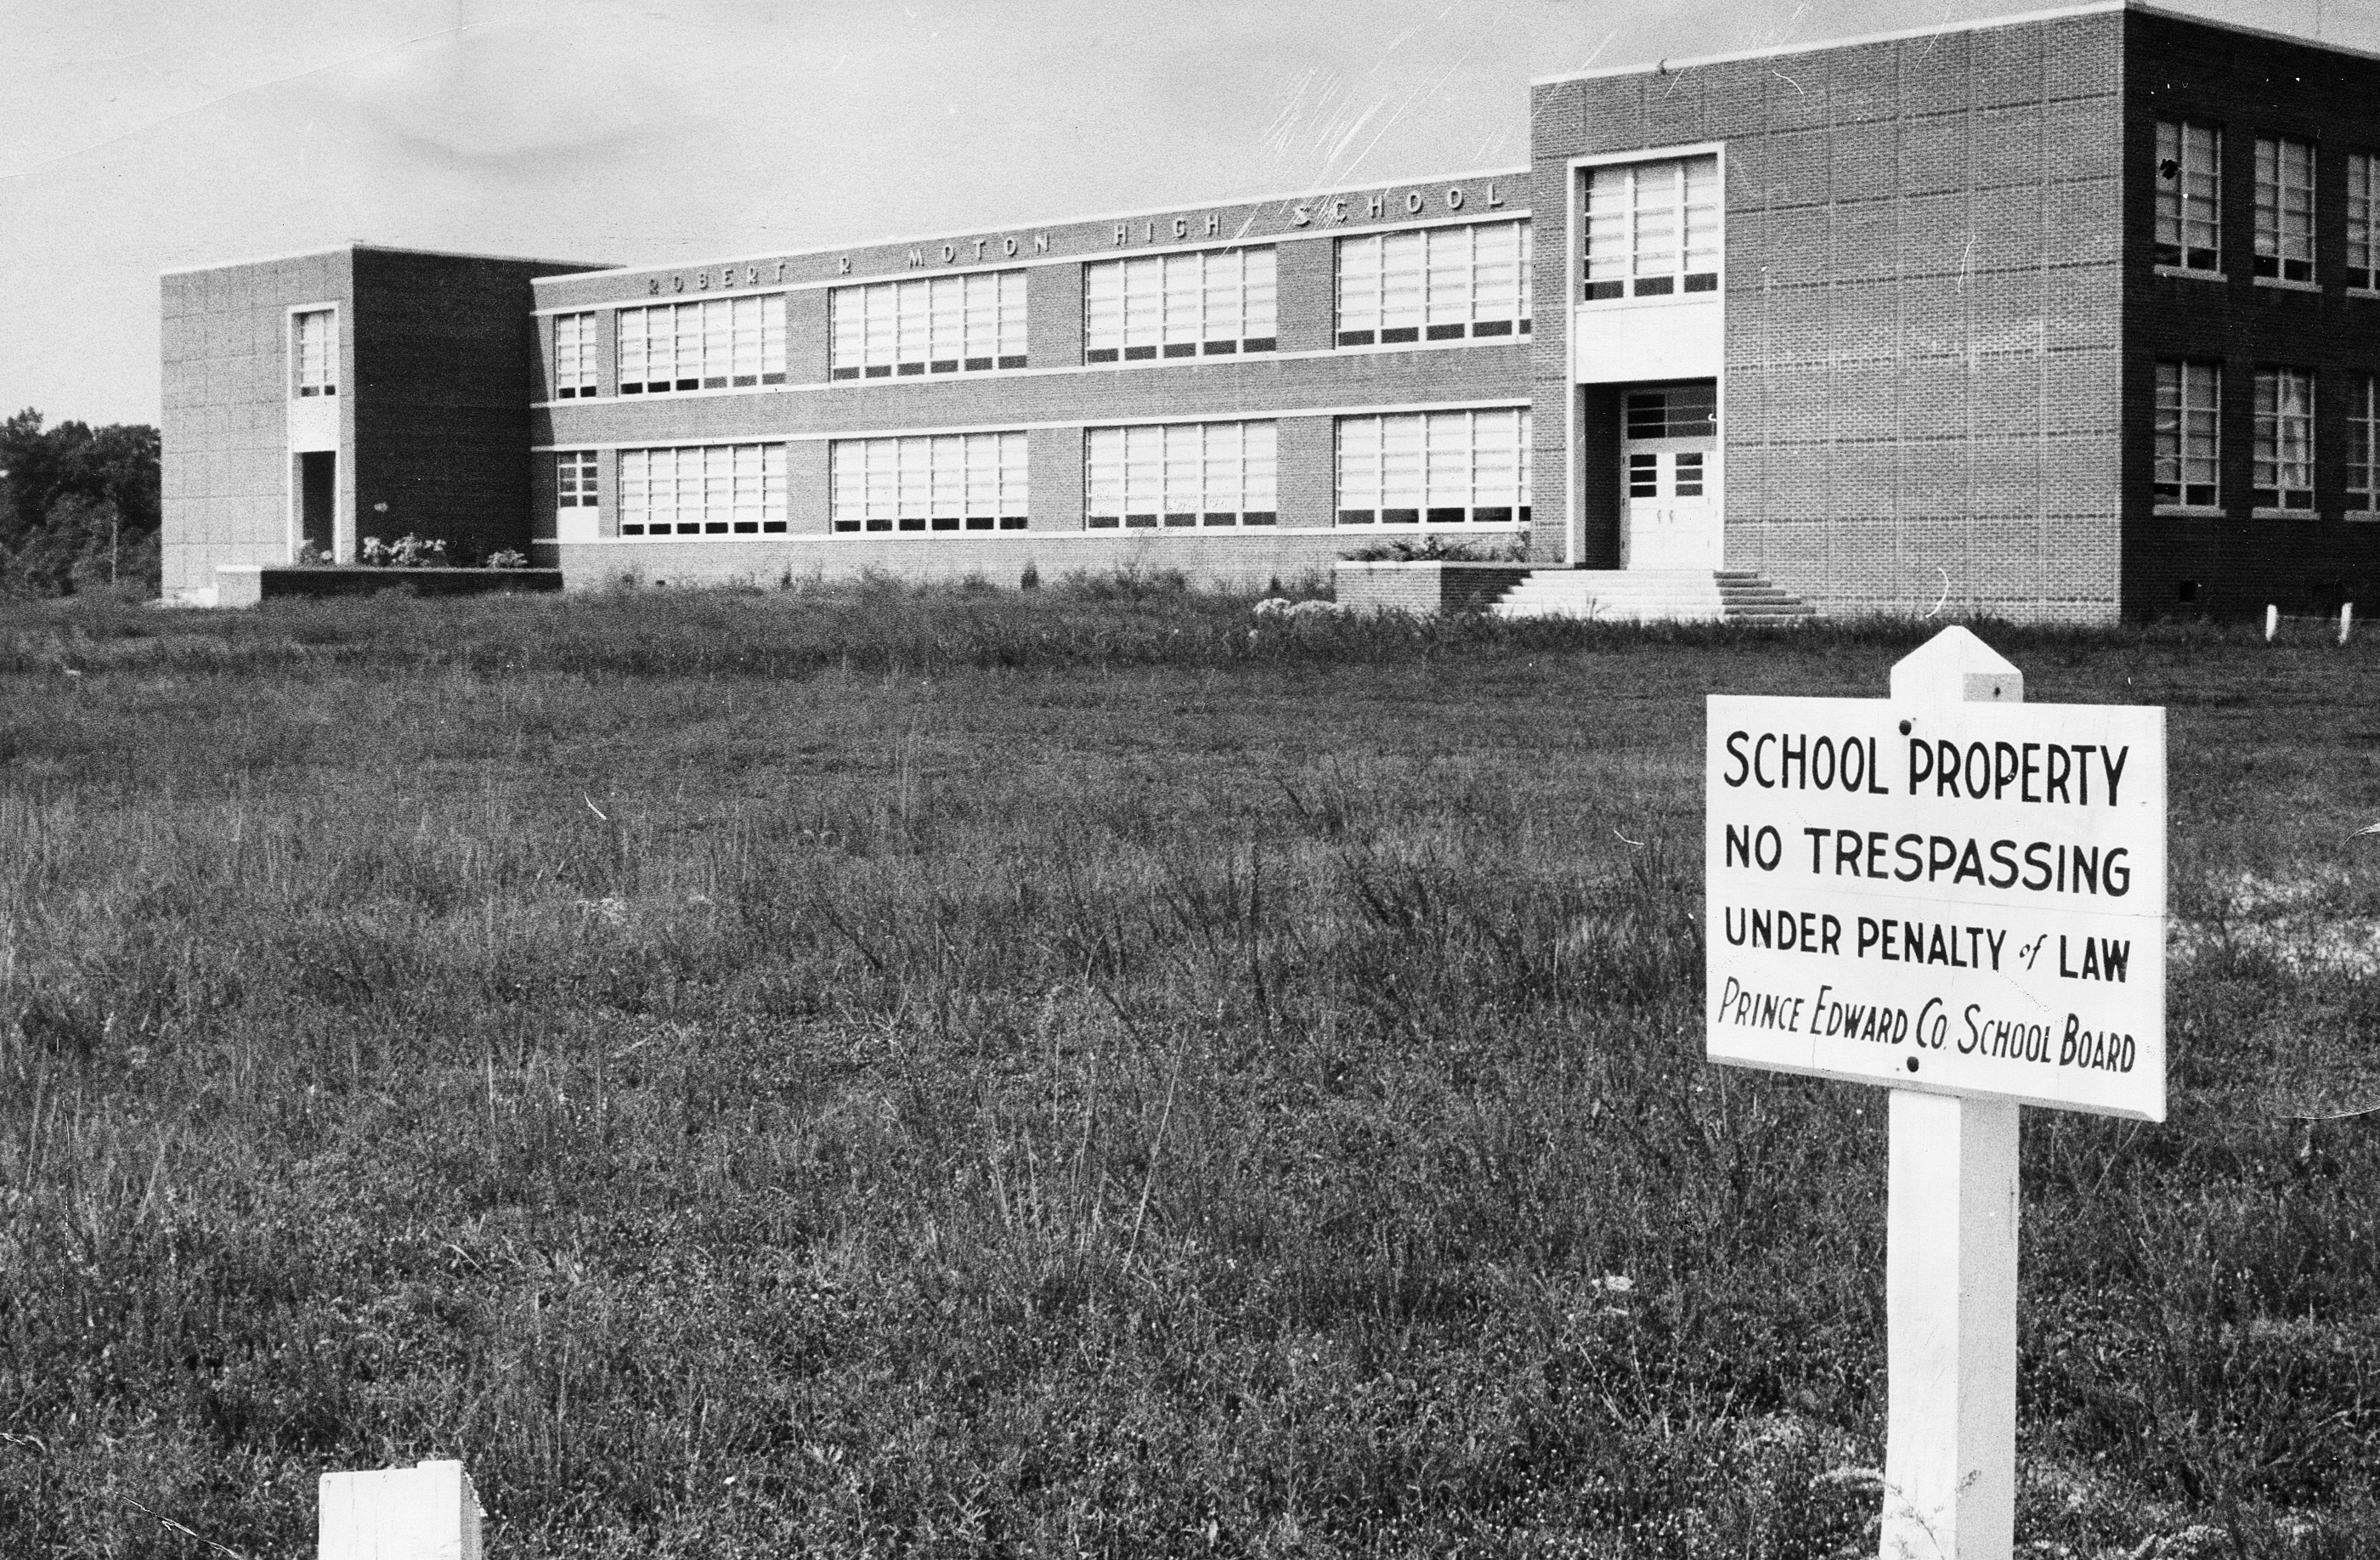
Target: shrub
1437, 550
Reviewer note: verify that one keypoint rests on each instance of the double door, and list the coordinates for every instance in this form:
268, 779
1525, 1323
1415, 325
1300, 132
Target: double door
1668, 454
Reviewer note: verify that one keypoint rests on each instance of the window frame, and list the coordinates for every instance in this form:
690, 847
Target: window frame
727, 495
695, 329
1364, 439
894, 484
1680, 282
1184, 319
2363, 447
326, 353
2285, 221
2362, 261
1146, 466
2192, 422
2270, 427
2173, 203
1439, 284
894, 341
578, 479
583, 375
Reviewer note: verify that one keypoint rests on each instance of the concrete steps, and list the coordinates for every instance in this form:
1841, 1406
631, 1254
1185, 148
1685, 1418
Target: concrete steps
1651, 596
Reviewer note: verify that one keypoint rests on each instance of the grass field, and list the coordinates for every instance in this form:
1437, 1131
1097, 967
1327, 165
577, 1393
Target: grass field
867, 1073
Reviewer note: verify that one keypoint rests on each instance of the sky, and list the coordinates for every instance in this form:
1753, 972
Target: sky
138, 136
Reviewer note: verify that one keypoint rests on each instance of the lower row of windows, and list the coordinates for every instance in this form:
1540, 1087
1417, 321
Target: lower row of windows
2189, 437
1429, 469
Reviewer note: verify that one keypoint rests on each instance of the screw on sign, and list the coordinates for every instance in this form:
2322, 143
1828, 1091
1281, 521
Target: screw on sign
1961, 896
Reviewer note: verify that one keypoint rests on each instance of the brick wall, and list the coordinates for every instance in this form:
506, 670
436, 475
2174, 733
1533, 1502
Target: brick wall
2246, 85
1922, 294
446, 349
224, 420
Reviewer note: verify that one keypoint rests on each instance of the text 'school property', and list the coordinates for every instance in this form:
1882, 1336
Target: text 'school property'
2045, 774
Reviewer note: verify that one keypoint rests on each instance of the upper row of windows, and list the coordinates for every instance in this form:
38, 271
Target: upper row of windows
1424, 284
2190, 205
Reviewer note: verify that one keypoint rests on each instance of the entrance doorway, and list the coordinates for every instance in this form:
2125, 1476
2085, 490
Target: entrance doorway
1668, 457
318, 488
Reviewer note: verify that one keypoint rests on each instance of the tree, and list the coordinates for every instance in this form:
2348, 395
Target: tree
80, 506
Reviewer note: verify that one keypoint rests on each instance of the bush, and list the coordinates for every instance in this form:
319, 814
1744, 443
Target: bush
1437, 550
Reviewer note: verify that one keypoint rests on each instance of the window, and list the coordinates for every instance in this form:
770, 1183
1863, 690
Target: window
1652, 228
941, 482
1437, 283
1435, 468
939, 324
2284, 209
1216, 302
575, 481
1684, 411
709, 490
574, 355
2362, 211
318, 351
2189, 196
1180, 474
720, 343
2284, 444
2189, 444
2364, 444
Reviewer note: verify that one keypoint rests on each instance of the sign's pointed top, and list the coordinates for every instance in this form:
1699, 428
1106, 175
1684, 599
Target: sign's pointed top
1954, 667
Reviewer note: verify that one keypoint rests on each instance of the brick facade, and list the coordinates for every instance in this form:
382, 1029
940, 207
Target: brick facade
1935, 340
1923, 289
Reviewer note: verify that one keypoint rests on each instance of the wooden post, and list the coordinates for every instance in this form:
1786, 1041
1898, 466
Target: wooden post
2272, 622
2345, 619
425, 1512
1950, 1242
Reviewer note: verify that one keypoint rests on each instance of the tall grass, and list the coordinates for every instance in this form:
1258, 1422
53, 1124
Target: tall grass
882, 1072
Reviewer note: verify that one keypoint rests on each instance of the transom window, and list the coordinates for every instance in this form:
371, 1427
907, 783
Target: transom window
1216, 302
575, 481
574, 355
711, 490
1435, 468
966, 324
2189, 447
936, 482
317, 357
2283, 452
1652, 228
2362, 211
1682, 411
2364, 444
719, 343
2189, 196
2284, 209
1439, 283
1180, 474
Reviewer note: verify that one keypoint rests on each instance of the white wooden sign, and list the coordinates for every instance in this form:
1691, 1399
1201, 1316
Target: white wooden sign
1960, 898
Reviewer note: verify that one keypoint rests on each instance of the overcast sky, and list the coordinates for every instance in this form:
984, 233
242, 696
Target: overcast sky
141, 135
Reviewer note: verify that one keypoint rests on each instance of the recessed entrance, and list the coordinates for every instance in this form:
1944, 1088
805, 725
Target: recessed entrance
318, 488
1669, 479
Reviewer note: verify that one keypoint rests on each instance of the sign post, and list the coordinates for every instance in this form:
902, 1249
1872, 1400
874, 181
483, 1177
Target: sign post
1960, 896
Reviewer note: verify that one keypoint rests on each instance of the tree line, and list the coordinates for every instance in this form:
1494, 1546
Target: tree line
78, 508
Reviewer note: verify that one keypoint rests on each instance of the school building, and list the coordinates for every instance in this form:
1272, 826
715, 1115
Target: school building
2063, 316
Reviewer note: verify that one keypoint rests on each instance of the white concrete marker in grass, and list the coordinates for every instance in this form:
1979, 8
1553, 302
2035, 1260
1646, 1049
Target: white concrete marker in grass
1961, 895
425, 1512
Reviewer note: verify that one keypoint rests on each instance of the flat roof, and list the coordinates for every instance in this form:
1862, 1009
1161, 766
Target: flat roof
1521, 172
1979, 24
351, 245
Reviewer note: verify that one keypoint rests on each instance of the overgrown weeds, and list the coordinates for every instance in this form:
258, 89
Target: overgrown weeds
872, 1071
